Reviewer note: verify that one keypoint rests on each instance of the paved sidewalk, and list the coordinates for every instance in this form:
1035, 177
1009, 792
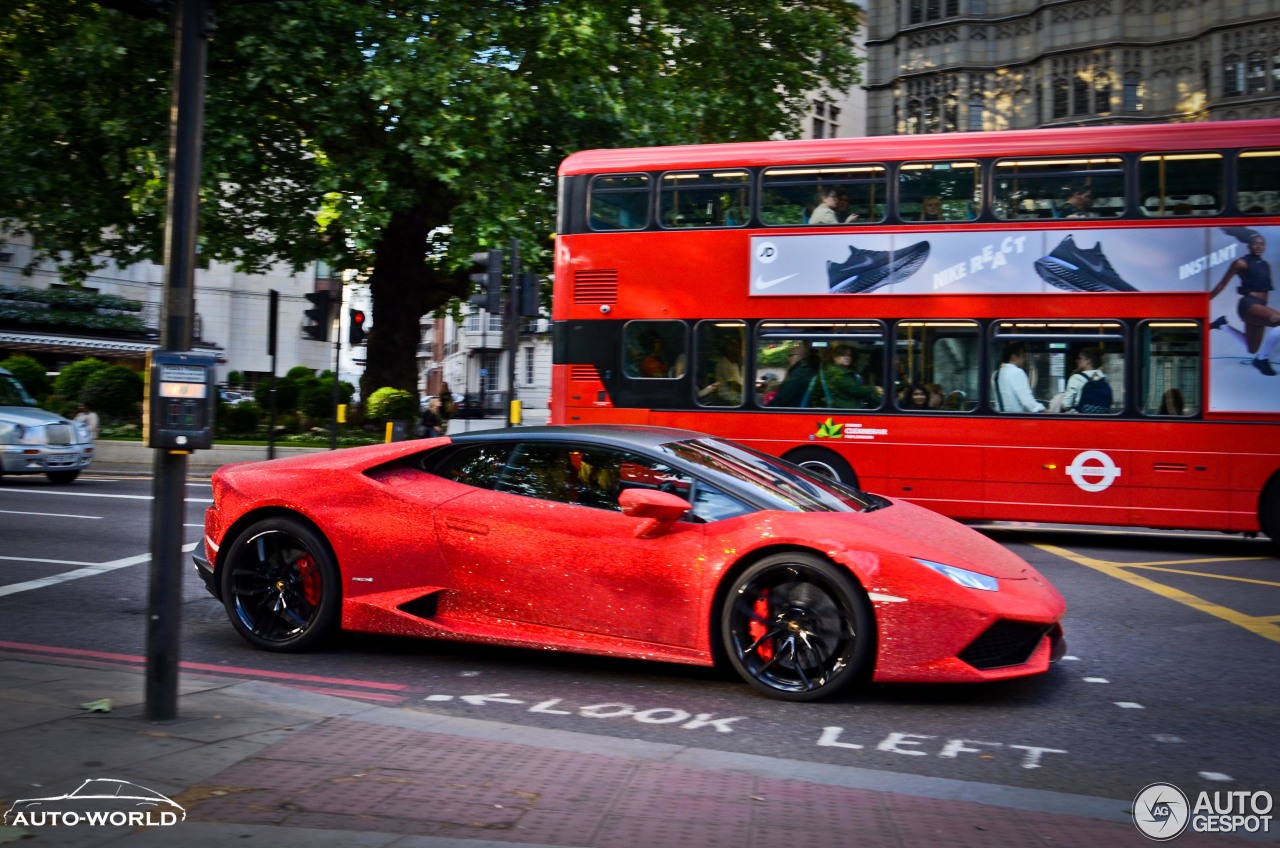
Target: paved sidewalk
262, 764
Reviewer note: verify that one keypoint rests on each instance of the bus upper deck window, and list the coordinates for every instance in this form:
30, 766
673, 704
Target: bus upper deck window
704, 199
619, 202
1258, 182
1181, 184
1061, 187
935, 192
790, 197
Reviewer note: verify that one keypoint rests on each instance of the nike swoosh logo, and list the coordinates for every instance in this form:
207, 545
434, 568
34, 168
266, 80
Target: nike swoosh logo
762, 283
1099, 268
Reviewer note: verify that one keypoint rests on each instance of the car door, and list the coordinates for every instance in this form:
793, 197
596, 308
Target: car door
547, 546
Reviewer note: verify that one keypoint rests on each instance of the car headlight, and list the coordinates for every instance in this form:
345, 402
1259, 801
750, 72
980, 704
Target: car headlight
14, 434
82, 433
963, 576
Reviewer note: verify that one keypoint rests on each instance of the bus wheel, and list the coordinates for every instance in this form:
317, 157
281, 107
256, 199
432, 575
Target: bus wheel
825, 462
1269, 511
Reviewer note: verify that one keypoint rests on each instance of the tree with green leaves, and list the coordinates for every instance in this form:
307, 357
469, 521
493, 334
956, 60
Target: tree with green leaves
391, 138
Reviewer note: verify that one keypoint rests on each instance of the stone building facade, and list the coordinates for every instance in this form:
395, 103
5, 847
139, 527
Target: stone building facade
965, 65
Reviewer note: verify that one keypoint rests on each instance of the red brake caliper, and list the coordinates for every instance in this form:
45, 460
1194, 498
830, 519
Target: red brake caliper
309, 575
761, 608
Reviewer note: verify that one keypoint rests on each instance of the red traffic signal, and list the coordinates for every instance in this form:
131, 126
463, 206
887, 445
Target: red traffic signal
355, 332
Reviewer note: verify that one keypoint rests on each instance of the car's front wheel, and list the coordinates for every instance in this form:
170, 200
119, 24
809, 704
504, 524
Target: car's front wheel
797, 627
280, 585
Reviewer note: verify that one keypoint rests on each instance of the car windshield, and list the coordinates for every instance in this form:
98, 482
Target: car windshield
12, 393
781, 481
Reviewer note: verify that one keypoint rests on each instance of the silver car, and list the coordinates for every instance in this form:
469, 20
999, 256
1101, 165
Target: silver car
33, 441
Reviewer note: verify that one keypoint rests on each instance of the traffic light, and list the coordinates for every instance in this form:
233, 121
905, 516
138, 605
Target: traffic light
489, 280
530, 289
355, 332
317, 326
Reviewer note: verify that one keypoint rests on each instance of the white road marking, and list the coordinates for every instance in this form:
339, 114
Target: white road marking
1129, 705
89, 570
1096, 680
47, 514
100, 495
1216, 775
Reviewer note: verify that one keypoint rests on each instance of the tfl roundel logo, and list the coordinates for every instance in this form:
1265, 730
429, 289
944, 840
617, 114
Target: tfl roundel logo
1093, 470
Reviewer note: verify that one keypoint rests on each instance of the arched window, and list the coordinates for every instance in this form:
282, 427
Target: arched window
951, 114
914, 123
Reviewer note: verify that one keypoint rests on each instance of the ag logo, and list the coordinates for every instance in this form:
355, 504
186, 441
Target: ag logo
829, 430
1161, 811
1092, 478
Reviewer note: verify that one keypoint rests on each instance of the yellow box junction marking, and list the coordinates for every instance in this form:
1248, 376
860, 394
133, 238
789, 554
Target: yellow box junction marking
1268, 627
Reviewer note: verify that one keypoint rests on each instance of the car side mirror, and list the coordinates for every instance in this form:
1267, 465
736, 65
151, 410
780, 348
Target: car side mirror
661, 508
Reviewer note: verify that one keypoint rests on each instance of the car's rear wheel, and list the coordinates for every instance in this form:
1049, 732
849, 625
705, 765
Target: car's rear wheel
62, 478
797, 627
280, 585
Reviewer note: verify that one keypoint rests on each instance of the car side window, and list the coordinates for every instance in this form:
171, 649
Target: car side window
478, 466
711, 504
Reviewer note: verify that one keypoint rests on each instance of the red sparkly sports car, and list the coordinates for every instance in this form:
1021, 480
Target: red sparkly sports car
638, 542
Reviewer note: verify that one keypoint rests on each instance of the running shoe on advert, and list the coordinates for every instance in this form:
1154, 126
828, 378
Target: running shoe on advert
1076, 268
865, 270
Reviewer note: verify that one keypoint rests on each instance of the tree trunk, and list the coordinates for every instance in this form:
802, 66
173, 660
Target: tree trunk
404, 288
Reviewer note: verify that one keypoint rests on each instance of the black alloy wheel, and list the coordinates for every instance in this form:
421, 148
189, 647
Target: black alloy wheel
798, 628
280, 586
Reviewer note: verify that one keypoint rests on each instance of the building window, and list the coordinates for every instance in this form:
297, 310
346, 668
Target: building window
826, 121
1132, 92
1060, 99
528, 366
1080, 96
1257, 81
1102, 94
1232, 77
977, 113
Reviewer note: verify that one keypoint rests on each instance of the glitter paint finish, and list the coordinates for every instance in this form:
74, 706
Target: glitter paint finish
420, 555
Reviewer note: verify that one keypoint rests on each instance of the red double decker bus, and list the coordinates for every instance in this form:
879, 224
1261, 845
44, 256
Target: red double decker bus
1052, 325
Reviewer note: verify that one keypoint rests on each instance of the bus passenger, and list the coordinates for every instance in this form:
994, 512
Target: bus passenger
1010, 387
825, 211
1172, 403
802, 367
914, 398
1078, 204
840, 383
1088, 367
931, 209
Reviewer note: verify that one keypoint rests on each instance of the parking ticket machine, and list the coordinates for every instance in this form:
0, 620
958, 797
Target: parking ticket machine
181, 393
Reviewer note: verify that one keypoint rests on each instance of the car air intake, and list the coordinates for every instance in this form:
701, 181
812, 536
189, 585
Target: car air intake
1004, 643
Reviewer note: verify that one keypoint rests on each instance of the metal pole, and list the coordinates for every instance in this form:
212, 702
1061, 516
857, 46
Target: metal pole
512, 328
192, 25
337, 361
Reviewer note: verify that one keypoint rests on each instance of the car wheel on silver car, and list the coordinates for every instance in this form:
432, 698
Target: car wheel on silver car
797, 627
280, 585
